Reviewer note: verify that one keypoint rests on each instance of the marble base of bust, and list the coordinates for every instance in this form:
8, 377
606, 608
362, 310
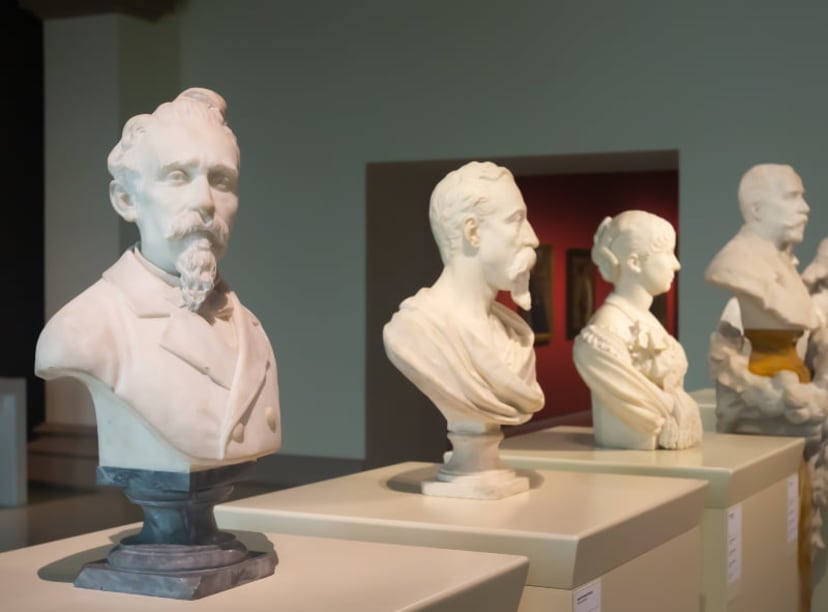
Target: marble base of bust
179, 553
178, 584
494, 484
474, 469
612, 432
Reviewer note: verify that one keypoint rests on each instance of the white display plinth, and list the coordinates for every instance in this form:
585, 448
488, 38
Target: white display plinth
638, 537
312, 575
746, 474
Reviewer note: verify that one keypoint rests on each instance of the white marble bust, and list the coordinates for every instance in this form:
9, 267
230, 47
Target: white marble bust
182, 375
757, 266
633, 367
763, 386
470, 355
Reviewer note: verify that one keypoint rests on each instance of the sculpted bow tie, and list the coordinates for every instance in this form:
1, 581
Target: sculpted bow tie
217, 306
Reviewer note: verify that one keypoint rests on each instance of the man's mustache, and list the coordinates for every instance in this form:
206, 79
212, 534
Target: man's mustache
523, 263
192, 222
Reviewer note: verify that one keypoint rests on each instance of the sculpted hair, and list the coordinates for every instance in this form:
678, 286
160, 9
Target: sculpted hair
632, 232
196, 103
461, 193
756, 183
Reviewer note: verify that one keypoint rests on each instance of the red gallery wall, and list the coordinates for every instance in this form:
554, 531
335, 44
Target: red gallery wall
565, 210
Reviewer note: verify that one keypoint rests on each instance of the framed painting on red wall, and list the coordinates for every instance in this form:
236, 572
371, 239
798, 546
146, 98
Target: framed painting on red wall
539, 316
580, 290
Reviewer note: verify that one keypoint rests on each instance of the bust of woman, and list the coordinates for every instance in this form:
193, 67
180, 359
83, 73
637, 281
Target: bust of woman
633, 367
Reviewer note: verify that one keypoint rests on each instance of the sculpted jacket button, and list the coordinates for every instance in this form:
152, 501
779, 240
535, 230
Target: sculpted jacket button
238, 433
270, 416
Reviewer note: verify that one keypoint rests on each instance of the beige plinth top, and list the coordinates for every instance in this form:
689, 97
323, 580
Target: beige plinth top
735, 466
573, 526
312, 575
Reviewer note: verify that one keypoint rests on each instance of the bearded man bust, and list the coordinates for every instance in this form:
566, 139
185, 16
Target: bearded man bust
182, 375
763, 384
470, 355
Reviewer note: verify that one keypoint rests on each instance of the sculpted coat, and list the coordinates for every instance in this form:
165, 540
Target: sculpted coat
212, 396
751, 266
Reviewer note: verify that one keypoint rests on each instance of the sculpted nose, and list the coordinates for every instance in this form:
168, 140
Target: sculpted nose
530, 238
202, 199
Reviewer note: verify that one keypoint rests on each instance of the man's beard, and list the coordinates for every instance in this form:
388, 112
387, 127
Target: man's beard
519, 276
197, 264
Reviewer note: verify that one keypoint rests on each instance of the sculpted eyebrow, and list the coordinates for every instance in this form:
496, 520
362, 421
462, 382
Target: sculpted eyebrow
177, 165
229, 170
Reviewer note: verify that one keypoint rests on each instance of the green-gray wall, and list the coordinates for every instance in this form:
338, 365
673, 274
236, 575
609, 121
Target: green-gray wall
317, 89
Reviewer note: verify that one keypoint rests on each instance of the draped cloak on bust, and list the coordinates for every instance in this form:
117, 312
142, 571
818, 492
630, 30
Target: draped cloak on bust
471, 374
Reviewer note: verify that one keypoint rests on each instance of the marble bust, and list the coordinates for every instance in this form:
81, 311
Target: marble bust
182, 375
470, 355
635, 369
757, 265
763, 384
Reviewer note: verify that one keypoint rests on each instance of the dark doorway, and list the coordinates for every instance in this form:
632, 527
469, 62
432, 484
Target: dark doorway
21, 230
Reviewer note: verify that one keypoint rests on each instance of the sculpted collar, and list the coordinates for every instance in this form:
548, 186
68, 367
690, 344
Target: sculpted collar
187, 335
151, 291
165, 276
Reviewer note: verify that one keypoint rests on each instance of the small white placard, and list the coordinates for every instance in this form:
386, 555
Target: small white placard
734, 543
587, 598
792, 517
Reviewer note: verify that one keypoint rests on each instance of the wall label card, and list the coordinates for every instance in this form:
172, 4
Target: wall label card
792, 516
734, 544
587, 598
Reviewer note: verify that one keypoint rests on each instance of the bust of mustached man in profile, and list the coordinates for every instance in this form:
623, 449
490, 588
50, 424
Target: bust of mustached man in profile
470, 355
182, 375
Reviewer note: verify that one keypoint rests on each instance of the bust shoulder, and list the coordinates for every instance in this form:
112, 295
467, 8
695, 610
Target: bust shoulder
614, 319
79, 337
735, 267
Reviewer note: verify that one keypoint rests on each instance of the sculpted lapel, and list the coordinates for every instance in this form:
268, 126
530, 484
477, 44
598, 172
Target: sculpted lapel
190, 337
253, 362
187, 335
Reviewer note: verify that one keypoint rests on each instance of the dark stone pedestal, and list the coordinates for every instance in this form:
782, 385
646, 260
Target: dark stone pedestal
180, 553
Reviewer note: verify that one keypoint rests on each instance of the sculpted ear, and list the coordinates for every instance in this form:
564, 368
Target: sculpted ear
634, 262
471, 232
122, 202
